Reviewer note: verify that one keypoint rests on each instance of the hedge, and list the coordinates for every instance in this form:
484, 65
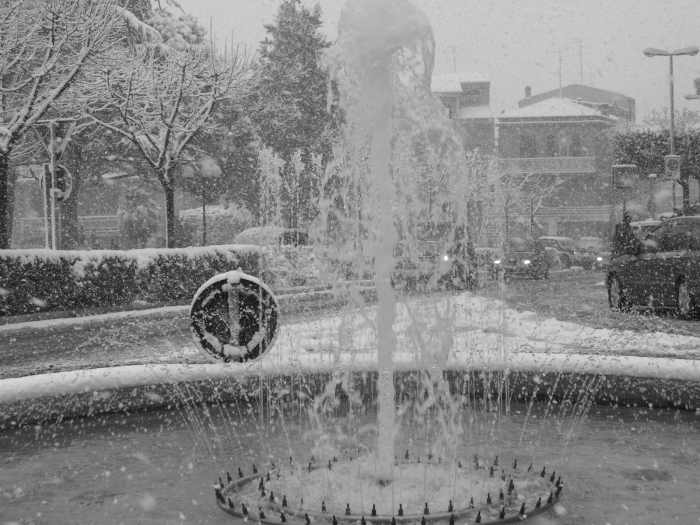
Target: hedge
43, 280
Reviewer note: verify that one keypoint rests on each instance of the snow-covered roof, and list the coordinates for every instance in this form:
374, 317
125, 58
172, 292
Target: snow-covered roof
474, 112
452, 82
552, 107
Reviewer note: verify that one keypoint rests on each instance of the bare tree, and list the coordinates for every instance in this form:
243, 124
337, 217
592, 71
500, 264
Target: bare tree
44, 47
158, 100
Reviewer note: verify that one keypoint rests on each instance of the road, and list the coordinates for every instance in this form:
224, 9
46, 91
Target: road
139, 339
581, 298
577, 297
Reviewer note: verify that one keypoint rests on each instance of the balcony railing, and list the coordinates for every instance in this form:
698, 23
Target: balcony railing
550, 165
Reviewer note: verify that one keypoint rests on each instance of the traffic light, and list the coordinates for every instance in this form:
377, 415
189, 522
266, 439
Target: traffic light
64, 182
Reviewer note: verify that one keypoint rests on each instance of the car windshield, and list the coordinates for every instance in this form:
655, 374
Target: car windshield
521, 245
342, 262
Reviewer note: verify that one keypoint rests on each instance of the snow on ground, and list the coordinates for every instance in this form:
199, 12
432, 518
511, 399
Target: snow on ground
470, 322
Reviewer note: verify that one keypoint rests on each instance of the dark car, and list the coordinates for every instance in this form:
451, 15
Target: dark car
524, 258
569, 252
432, 262
663, 270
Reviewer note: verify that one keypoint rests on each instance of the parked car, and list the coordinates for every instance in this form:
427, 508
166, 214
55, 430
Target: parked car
591, 244
663, 271
569, 252
524, 258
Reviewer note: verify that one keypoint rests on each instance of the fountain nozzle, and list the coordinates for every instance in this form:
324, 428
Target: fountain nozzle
478, 517
426, 510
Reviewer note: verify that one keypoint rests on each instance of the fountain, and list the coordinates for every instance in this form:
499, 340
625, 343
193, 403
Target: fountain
429, 408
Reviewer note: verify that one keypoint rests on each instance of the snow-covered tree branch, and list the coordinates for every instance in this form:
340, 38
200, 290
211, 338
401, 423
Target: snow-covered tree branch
45, 45
158, 101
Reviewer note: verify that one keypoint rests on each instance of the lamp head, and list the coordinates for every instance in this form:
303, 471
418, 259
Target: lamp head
653, 52
690, 51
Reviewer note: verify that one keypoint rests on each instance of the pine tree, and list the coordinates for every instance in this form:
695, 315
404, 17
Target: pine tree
291, 111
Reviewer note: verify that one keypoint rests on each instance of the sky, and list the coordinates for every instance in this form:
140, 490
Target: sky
516, 43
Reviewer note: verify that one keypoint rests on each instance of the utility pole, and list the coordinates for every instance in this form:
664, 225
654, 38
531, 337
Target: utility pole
560, 74
580, 56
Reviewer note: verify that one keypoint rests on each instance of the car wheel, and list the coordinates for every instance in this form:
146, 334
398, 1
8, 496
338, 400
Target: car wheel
565, 261
685, 301
616, 295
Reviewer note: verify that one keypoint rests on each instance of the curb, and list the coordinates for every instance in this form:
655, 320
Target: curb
142, 305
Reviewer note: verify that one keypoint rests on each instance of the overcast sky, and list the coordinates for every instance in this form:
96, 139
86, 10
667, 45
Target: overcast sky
515, 42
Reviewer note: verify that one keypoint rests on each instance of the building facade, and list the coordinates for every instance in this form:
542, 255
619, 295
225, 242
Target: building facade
467, 101
568, 141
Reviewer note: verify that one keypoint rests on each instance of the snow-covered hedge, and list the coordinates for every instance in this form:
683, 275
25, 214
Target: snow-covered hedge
43, 280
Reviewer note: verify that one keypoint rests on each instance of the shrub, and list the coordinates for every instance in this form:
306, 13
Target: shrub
223, 224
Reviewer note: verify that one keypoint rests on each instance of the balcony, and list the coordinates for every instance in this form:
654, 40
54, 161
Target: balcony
549, 165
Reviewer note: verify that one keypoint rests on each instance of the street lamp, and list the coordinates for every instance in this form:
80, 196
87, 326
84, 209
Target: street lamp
207, 169
653, 52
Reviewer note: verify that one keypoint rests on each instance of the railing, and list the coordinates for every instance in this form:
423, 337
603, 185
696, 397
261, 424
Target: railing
549, 165
566, 213
98, 224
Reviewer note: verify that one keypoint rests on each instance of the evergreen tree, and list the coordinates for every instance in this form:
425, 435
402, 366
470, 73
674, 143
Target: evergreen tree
291, 111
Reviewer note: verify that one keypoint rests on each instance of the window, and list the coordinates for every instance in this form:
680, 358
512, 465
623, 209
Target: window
575, 145
528, 146
550, 149
677, 238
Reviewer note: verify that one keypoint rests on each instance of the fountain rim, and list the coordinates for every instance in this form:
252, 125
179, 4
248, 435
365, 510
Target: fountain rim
222, 497
57, 384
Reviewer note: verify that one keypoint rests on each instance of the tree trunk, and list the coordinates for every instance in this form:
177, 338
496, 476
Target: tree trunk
169, 189
685, 185
70, 231
4, 201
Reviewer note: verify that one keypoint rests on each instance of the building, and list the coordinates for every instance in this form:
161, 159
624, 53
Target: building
608, 103
467, 101
565, 139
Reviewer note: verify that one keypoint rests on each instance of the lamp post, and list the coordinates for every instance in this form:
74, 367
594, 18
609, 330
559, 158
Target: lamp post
653, 52
207, 169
